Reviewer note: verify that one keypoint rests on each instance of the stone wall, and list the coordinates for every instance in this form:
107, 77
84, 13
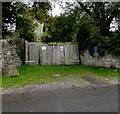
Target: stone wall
105, 61
9, 55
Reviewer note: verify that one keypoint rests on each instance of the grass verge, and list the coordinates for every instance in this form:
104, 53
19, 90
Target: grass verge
44, 74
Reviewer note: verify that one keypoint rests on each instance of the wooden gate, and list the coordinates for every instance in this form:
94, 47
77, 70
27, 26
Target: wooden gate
56, 54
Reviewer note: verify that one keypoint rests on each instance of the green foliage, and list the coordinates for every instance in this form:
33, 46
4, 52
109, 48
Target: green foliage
40, 11
20, 49
110, 44
102, 13
5, 32
46, 37
24, 16
93, 23
64, 29
25, 28
14, 39
89, 36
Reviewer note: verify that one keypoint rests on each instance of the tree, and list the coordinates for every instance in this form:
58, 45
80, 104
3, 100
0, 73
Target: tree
9, 18
102, 13
24, 16
41, 16
40, 11
64, 29
15, 11
91, 23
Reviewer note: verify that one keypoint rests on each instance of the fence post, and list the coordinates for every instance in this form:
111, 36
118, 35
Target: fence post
26, 51
1, 62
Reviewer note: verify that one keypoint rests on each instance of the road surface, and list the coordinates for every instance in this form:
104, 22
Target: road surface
86, 99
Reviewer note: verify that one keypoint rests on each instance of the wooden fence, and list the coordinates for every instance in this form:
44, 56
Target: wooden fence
1, 56
56, 54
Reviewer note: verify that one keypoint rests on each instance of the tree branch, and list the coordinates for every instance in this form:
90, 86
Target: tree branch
85, 8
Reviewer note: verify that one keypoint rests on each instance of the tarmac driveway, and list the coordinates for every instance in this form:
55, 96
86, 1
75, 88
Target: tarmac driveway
75, 99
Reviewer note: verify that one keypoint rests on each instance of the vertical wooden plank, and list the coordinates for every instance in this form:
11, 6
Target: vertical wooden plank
56, 55
67, 54
40, 54
53, 55
43, 54
1, 57
26, 52
62, 55
46, 55
33, 53
74, 54
59, 53
36, 54
30, 53
49, 55
71, 54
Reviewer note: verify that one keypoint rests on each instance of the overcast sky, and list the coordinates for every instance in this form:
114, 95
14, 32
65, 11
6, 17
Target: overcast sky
56, 10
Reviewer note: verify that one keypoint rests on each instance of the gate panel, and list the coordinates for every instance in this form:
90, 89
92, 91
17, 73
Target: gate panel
74, 54
50, 55
67, 54
43, 54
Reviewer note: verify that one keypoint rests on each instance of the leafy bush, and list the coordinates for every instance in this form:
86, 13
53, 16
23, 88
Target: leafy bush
25, 28
46, 37
19, 42
88, 36
110, 44
64, 29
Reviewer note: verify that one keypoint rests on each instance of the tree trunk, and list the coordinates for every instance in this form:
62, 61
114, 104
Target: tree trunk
38, 32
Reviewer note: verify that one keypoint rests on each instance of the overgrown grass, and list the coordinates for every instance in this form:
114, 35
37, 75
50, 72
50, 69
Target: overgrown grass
44, 74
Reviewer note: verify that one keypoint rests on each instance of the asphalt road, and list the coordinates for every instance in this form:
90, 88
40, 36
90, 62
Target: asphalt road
87, 99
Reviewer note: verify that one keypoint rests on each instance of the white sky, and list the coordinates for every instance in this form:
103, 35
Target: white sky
114, 25
56, 9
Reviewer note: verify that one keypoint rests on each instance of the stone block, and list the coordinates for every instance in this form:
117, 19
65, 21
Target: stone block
11, 70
